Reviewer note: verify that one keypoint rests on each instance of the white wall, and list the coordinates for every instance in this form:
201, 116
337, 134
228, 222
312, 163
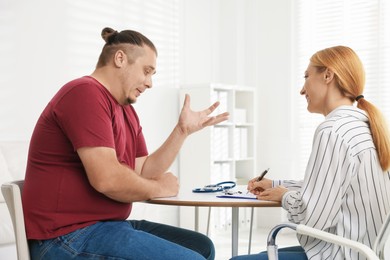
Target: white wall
30, 67
275, 147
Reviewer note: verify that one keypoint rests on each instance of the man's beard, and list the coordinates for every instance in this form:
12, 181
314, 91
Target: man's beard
130, 101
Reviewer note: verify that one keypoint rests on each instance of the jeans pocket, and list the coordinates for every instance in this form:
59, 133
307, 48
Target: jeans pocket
62, 247
40, 248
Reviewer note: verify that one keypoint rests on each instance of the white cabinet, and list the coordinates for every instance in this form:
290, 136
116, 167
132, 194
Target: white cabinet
223, 152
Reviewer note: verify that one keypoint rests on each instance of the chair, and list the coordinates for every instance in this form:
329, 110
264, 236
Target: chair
377, 252
12, 195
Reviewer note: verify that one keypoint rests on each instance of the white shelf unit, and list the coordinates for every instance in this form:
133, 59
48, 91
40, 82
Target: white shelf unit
225, 152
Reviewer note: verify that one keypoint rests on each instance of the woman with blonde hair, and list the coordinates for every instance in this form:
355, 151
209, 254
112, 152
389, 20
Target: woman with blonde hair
346, 187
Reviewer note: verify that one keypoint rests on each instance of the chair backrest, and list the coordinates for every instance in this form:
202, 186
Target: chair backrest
12, 192
383, 238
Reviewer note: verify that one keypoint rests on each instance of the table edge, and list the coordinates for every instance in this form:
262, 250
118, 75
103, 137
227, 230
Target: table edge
240, 203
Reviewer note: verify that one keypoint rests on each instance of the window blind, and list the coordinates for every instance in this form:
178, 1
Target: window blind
158, 20
359, 24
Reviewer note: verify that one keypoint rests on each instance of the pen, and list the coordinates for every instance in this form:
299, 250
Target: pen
260, 177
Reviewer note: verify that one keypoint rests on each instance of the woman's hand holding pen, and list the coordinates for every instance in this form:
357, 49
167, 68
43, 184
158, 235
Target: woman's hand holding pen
263, 189
256, 187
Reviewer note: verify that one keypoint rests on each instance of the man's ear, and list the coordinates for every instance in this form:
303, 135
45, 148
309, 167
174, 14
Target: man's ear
328, 76
119, 58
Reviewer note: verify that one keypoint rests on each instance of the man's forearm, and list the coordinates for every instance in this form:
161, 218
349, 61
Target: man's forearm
159, 161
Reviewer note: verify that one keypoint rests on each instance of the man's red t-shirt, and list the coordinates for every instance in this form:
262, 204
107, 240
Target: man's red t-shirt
57, 197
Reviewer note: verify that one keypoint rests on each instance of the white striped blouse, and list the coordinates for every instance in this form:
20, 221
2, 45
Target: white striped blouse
344, 190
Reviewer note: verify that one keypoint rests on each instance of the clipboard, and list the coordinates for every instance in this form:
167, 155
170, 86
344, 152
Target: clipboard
249, 196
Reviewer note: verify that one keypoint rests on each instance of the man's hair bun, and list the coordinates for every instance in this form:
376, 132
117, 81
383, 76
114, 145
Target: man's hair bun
107, 33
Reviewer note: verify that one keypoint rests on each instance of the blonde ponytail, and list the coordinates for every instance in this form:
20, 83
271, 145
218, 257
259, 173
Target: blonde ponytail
379, 131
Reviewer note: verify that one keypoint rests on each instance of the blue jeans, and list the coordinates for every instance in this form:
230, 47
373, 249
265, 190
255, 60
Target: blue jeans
287, 253
132, 239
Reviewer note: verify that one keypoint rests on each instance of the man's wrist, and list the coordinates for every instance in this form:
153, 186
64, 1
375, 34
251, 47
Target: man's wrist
181, 131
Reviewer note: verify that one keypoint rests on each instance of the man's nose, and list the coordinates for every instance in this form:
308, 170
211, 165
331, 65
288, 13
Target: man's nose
149, 83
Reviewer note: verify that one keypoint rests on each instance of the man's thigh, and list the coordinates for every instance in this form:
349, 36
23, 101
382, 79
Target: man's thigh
187, 238
110, 240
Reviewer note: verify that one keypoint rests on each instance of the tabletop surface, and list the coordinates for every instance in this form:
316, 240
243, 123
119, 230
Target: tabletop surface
189, 198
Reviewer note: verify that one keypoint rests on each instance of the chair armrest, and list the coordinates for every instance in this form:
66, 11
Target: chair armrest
338, 240
316, 233
272, 248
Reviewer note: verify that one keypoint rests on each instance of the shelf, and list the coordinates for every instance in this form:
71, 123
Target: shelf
224, 160
224, 152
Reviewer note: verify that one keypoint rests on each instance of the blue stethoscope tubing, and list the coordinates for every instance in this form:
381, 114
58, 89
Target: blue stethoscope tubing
221, 186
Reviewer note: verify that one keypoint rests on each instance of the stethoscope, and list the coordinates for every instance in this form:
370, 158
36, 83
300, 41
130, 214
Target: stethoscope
221, 186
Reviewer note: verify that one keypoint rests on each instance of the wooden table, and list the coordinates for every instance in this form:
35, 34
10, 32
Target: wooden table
210, 200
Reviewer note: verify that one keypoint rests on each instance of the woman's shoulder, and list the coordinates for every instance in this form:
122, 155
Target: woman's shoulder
344, 120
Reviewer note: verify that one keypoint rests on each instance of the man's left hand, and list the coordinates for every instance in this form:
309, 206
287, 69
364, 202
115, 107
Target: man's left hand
192, 121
